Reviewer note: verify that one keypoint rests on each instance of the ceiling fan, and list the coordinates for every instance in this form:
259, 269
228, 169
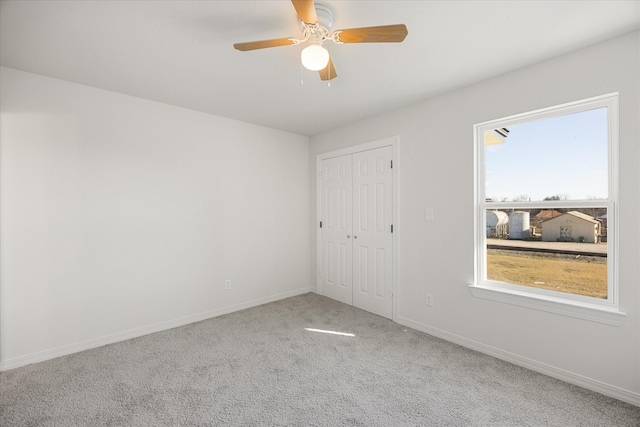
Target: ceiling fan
315, 31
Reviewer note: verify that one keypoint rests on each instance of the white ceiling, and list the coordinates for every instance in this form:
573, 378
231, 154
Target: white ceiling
181, 52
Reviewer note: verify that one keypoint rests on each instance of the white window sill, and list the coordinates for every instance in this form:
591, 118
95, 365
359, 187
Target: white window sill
593, 312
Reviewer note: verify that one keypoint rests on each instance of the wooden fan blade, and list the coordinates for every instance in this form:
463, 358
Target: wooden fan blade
386, 33
328, 72
263, 44
306, 11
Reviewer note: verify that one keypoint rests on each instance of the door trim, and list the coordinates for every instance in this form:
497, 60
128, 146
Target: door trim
394, 142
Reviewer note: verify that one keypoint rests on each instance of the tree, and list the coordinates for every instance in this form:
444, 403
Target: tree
557, 197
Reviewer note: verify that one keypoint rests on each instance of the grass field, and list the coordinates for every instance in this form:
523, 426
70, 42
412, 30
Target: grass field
564, 273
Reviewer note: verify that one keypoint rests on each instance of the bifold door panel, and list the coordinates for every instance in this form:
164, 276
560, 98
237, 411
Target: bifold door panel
337, 224
357, 211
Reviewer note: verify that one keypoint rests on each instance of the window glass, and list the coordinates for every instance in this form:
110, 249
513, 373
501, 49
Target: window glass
546, 202
562, 250
559, 158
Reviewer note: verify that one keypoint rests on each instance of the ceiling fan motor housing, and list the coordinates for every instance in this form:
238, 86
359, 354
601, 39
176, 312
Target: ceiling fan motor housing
325, 17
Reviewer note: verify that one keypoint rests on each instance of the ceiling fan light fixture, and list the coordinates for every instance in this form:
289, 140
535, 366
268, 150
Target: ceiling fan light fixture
315, 57
316, 22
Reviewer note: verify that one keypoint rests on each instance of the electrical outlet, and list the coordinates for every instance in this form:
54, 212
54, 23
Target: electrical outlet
429, 300
227, 284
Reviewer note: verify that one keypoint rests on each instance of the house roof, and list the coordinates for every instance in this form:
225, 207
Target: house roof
548, 213
576, 214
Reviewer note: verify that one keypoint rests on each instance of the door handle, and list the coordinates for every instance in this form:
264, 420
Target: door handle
348, 236
355, 237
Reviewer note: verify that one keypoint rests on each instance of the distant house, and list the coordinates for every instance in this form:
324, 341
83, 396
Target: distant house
572, 226
603, 227
541, 217
603, 220
547, 214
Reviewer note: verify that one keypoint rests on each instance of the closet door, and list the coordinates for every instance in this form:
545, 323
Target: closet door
336, 247
372, 238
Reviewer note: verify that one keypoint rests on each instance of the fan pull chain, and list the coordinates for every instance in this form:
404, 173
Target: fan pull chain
301, 79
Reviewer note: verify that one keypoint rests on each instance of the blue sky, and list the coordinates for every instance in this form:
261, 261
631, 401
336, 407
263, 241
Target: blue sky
564, 156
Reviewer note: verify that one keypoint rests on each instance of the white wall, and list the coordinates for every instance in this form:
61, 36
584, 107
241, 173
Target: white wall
436, 171
121, 216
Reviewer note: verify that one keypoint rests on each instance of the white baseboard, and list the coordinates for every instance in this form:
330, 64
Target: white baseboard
41, 356
561, 374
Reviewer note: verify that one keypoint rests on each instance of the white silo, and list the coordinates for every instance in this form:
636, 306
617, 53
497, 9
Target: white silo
497, 224
519, 225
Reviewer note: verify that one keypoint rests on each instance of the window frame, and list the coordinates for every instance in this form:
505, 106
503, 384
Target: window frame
585, 307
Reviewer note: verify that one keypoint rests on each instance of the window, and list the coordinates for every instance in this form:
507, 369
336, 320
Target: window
546, 193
